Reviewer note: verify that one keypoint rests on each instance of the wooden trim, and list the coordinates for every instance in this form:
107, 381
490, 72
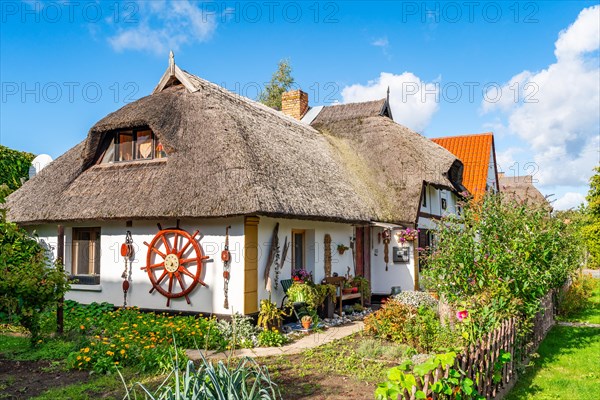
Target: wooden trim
427, 215
251, 264
303, 233
416, 263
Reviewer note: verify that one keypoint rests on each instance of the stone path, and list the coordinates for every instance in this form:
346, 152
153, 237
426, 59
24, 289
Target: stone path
579, 324
307, 342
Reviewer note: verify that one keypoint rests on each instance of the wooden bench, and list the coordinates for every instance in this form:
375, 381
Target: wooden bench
339, 282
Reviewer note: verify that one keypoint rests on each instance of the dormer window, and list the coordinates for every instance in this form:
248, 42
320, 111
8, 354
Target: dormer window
133, 145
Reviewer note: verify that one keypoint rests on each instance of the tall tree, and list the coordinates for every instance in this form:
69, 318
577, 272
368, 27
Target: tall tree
591, 229
14, 165
281, 82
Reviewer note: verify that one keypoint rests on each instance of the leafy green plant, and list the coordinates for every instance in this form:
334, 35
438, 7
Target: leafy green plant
14, 165
303, 293
271, 338
246, 381
577, 296
452, 385
501, 257
30, 282
239, 332
416, 327
270, 316
324, 291
364, 287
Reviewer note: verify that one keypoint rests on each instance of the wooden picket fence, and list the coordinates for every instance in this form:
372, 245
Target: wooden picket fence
478, 360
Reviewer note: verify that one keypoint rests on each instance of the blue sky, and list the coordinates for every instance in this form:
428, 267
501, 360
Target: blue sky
528, 71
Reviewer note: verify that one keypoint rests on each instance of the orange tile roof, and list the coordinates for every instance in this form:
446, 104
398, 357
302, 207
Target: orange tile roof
474, 151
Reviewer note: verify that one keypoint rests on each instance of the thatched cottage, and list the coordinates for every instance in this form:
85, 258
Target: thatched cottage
180, 166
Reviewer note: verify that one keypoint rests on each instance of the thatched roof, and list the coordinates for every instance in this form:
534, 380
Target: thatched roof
230, 156
387, 162
521, 189
227, 155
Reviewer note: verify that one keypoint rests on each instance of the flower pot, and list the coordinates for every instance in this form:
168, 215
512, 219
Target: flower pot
347, 290
306, 324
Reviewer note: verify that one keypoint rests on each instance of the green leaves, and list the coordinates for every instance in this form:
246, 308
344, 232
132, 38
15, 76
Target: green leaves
14, 165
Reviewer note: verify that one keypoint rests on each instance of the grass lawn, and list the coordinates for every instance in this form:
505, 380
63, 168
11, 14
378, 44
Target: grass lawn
568, 367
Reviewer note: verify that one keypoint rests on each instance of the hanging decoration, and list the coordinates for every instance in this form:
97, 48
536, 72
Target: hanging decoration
386, 235
327, 242
174, 256
406, 235
280, 261
226, 258
127, 254
272, 254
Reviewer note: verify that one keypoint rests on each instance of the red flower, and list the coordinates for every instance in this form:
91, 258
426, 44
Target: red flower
462, 314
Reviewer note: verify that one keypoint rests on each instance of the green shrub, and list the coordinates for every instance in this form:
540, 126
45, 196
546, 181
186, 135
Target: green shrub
271, 338
240, 332
14, 165
577, 296
419, 328
499, 247
246, 381
30, 282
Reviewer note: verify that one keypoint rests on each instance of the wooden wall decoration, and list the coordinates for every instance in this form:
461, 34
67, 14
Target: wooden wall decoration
327, 255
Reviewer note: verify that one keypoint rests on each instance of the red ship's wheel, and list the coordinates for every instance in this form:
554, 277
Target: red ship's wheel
174, 263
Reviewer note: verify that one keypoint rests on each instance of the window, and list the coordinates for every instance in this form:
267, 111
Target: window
85, 260
298, 250
424, 195
132, 145
444, 204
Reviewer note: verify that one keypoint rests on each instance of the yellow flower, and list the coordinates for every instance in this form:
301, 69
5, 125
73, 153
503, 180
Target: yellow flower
110, 353
78, 358
116, 363
122, 351
135, 325
87, 359
82, 327
86, 350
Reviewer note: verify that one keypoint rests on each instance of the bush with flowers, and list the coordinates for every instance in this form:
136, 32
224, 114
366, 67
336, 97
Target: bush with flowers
128, 337
499, 258
301, 276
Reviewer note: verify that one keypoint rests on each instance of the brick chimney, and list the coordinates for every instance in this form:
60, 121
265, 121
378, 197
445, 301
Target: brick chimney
294, 103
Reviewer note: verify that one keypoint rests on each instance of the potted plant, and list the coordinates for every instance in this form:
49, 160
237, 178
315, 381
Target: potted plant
326, 295
342, 248
270, 317
301, 276
347, 289
306, 322
303, 293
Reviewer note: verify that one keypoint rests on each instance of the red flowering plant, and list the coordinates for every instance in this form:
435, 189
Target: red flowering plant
301, 276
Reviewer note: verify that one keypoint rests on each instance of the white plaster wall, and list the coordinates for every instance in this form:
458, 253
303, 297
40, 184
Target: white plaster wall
491, 178
398, 274
315, 250
203, 299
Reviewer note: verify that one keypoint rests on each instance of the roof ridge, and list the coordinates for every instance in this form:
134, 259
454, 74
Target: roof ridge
248, 101
465, 135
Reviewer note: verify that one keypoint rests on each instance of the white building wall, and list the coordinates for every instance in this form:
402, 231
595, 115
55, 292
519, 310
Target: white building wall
203, 299
491, 178
398, 274
315, 250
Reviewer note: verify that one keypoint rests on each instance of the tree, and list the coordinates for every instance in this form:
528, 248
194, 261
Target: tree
14, 165
30, 283
281, 82
591, 228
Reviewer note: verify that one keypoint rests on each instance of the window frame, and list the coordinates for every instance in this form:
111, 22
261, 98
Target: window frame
424, 196
294, 233
94, 247
114, 140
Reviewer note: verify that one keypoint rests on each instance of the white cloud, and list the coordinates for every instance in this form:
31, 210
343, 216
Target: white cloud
164, 26
381, 42
412, 100
557, 109
506, 159
569, 200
